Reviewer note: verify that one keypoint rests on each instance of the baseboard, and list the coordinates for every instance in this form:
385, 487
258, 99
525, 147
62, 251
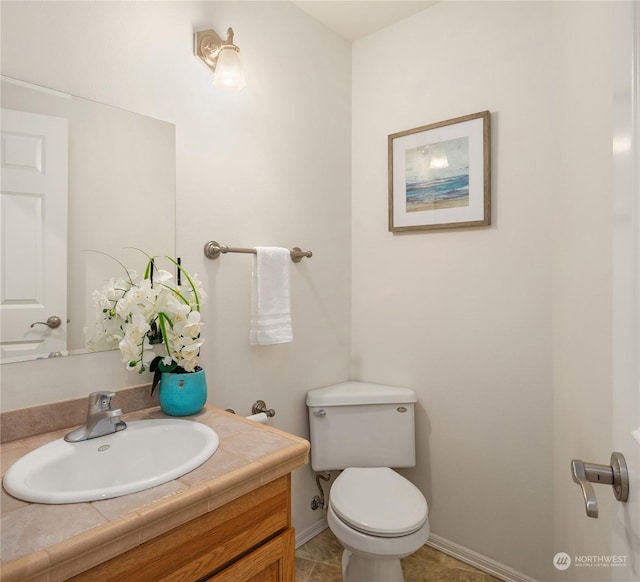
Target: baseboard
477, 560
302, 537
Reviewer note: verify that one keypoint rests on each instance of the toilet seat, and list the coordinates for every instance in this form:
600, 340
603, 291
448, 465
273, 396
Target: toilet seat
378, 501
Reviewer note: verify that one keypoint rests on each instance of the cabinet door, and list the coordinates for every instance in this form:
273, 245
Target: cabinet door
204, 545
271, 562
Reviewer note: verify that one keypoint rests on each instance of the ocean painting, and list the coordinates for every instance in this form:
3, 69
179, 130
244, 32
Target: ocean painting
437, 175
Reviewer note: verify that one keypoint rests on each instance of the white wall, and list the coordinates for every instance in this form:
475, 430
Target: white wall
504, 331
267, 166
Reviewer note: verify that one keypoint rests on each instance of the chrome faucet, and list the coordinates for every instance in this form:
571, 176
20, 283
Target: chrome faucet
101, 419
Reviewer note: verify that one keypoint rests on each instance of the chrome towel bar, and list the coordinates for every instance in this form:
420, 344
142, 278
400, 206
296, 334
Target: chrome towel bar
212, 250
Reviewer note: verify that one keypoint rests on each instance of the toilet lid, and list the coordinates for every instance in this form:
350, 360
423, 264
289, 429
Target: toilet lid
378, 501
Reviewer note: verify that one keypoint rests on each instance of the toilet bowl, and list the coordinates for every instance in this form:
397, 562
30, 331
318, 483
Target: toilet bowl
365, 430
379, 517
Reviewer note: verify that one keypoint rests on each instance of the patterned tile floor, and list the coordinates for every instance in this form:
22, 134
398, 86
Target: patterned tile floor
319, 561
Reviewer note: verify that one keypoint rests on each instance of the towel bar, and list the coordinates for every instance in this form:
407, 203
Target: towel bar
212, 251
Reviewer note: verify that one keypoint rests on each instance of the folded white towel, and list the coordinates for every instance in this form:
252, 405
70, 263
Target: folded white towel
271, 306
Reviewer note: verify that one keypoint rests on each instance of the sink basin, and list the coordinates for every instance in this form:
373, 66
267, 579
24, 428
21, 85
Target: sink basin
147, 453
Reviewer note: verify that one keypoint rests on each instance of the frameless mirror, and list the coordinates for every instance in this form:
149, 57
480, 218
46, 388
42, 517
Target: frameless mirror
77, 176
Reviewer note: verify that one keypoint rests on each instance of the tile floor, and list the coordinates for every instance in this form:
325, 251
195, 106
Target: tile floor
319, 561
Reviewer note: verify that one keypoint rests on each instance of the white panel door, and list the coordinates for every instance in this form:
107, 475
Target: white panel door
33, 266
626, 285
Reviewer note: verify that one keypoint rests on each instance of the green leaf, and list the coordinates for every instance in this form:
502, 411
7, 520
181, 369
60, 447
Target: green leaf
157, 373
167, 367
162, 318
175, 292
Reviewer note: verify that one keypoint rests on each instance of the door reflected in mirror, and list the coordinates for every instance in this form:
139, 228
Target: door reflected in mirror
76, 176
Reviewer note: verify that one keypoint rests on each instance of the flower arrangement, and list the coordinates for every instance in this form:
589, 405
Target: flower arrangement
154, 320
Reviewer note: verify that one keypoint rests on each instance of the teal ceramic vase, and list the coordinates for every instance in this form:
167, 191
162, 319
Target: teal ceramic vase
183, 394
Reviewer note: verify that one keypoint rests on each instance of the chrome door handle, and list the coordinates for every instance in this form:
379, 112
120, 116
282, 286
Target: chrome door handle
53, 322
615, 475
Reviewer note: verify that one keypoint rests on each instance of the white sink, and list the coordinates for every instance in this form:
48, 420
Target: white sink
147, 453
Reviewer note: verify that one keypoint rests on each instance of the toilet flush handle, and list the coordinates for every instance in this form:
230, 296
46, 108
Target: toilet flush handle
319, 412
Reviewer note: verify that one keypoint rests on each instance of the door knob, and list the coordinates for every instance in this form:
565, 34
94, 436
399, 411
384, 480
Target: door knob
53, 322
615, 475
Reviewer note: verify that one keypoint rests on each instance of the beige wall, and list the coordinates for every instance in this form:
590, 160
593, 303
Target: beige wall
267, 166
495, 326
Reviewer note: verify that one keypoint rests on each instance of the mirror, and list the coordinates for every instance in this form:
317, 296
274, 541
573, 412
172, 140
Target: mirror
77, 176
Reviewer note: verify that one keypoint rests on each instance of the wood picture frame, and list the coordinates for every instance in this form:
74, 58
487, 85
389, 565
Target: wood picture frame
440, 175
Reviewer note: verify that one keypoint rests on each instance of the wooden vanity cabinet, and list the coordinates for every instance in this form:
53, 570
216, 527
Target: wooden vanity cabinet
248, 539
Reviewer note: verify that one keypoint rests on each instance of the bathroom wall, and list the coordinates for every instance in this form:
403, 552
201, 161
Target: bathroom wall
503, 331
469, 317
267, 166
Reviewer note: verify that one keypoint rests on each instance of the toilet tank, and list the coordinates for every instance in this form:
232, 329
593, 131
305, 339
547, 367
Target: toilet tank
357, 424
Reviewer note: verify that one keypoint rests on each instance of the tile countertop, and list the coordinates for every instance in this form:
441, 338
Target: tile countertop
54, 542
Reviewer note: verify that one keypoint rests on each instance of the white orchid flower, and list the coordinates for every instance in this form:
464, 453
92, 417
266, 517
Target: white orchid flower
131, 312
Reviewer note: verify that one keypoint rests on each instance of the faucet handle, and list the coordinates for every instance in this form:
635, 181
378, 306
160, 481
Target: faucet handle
100, 401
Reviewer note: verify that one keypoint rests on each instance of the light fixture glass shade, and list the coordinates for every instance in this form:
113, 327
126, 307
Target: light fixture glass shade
229, 73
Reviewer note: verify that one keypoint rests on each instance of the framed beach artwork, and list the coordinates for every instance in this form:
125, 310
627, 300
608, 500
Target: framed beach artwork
440, 175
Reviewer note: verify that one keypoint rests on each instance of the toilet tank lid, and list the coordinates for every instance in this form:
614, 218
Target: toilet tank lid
354, 393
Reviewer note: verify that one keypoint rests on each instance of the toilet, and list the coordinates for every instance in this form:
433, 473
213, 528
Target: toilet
377, 515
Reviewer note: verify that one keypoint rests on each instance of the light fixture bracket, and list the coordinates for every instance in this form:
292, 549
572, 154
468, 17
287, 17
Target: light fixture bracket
207, 46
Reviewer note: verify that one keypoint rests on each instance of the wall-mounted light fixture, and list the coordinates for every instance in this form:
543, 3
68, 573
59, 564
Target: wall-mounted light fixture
221, 57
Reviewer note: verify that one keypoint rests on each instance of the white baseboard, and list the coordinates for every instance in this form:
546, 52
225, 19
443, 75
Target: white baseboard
302, 537
477, 560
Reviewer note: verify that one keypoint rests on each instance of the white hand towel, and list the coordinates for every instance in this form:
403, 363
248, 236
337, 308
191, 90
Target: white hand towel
271, 306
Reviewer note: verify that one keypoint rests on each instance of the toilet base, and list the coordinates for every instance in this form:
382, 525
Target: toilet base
369, 558
357, 568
